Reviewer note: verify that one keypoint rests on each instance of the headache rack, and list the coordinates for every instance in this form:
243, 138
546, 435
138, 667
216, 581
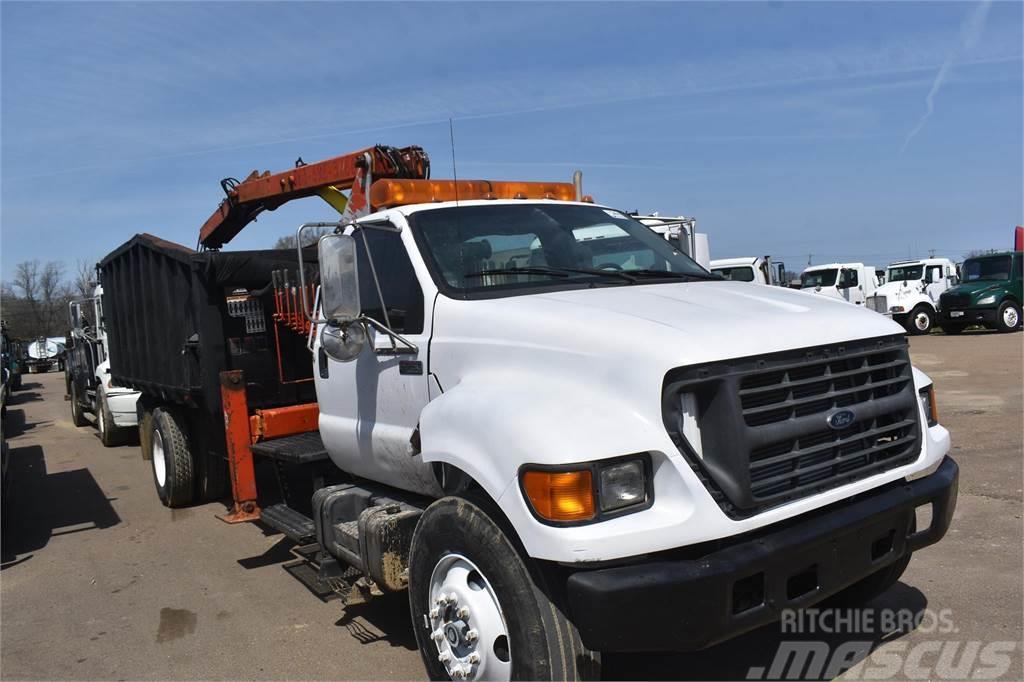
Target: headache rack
762, 431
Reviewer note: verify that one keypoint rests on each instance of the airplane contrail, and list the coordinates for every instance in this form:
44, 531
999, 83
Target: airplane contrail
970, 29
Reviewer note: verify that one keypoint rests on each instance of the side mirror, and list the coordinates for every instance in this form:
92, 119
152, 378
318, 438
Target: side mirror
75, 310
339, 277
780, 274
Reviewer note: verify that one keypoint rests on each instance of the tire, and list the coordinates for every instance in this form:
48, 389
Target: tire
1008, 318
952, 329
173, 471
920, 320
110, 434
523, 633
77, 415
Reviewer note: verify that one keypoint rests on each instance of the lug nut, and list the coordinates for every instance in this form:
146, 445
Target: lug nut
472, 636
453, 598
463, 612
473, 658
444, 658
438, 635
459, 673
435, 612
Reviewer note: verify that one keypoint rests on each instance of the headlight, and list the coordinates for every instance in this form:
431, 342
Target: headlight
931, 411
622, 485
587, 492
896, 309
987, 300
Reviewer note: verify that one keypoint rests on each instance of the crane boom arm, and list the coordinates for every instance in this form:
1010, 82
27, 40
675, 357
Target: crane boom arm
257, 193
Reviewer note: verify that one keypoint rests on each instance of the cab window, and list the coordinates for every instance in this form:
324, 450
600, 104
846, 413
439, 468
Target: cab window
398, 284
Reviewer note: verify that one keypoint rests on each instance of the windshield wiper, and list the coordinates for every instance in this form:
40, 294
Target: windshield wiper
647, 272
516, 271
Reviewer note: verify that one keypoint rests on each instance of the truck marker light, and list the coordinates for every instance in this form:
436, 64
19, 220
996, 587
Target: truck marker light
561, 495
931, 410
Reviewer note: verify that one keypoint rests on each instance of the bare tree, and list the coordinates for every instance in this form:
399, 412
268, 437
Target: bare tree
43, 296
85, 278
310, 237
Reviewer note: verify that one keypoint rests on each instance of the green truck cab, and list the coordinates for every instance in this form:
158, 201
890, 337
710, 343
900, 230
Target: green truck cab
989, 294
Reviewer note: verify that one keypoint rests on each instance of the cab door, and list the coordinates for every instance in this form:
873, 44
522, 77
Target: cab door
370, 406
936, 281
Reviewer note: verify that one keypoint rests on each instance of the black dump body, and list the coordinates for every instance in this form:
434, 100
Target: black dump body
176, 318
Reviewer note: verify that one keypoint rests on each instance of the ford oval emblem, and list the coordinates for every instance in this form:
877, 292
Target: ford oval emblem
841, 419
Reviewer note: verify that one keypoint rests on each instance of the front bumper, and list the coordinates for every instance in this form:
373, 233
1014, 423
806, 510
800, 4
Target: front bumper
688, 604
985, 316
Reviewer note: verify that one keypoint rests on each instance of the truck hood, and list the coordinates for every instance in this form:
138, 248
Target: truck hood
894, 290
639, 332
975, 288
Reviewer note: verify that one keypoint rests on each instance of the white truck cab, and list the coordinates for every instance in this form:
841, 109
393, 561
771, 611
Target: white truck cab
850, 282
606, 458
681, 232
87, 375
912, 289
756, 269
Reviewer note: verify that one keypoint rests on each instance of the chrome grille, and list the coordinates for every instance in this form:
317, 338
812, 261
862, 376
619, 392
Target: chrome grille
764, 422
879, 304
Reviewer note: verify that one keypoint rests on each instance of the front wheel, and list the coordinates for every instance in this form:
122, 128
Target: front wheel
1008, 317
479, 610
110, 433
920, 320
77, 415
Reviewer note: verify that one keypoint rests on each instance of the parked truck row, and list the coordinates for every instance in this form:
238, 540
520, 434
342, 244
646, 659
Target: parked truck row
543, 419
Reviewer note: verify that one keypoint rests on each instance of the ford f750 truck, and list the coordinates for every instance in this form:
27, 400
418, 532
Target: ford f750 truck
557, 450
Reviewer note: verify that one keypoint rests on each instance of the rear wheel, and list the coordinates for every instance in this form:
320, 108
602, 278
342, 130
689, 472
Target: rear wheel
1008, 317
77, 414
920, 320
479, 610
172, 459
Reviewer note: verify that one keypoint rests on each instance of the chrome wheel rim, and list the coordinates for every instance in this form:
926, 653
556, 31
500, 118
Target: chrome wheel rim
101, 423
159, 459
1010, 317
922, 321
466, 622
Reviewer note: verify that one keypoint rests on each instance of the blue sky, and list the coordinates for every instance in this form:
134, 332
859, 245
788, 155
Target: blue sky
784, 128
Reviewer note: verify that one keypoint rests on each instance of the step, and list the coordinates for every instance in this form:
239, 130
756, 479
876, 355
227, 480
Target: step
302, 448
295, 525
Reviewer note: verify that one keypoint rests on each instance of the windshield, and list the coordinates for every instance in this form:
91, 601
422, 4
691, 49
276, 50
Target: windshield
818, 278
905, 273
507, 249
990, 268
743, 273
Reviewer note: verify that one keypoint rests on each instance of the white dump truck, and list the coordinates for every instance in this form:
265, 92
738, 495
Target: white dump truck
90, 388
681, 231
559, 449
910, 294
756, 269
851, 282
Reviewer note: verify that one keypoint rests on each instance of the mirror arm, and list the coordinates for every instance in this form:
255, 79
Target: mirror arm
410, 347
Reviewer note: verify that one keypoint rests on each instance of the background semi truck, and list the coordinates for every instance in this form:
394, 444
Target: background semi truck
911, 290
851, 282
578, 453
756, 269
990, 294
90, 388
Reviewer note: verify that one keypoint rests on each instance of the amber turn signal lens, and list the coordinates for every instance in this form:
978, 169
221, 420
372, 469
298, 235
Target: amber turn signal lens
933, 408
561, 495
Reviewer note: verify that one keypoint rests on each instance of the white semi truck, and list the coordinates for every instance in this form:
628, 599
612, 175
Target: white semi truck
851, 282
910, 294
681, 231
90, 388
756, 269
585, 452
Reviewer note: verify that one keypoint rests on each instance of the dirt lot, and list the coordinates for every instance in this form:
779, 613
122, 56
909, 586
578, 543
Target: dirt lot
101, 582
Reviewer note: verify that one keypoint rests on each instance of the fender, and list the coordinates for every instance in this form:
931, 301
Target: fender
479, 425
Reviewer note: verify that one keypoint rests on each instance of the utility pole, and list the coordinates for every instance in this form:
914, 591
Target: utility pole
809, 259
931, 253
